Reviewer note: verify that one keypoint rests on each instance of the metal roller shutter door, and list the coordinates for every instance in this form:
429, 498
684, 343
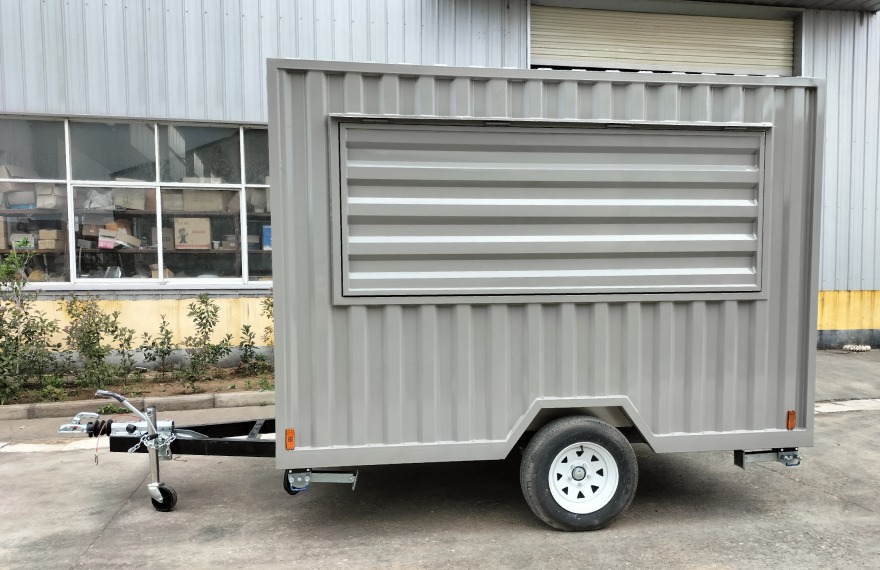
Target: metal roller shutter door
660, 42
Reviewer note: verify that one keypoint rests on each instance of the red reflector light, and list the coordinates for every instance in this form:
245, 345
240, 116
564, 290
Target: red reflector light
289, 439
791, 419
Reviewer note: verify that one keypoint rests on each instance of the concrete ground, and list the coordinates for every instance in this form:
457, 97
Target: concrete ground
691, 510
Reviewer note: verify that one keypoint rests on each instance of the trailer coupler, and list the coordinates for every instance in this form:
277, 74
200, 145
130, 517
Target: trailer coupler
296, 480
788, 456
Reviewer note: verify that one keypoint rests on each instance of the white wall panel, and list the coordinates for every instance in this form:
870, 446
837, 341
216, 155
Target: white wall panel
205, 59
844, 49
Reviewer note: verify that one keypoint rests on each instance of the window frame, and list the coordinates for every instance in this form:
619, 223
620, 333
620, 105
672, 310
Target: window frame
161, 283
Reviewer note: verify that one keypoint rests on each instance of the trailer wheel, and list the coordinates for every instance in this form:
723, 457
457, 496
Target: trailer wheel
169, 499
579, 473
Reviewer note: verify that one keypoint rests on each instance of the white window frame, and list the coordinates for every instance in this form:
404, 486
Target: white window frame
161, 283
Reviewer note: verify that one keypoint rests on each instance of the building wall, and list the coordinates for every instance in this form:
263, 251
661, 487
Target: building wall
205, 59
844, 48
234, 312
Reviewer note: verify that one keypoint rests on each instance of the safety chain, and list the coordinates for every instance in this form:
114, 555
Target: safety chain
156, 440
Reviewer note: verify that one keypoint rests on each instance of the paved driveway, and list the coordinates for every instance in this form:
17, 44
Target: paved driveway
691, 511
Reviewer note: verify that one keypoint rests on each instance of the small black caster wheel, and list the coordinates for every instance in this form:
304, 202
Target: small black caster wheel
169, 499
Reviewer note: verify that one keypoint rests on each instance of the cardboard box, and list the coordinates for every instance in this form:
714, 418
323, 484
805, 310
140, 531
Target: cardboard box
24, 199
154, 273
16, 237
130, 198
51, 202
267, 238
192, 233
127, 241
167, 238
202, 180
172, 200
12, 171
106, 239
51, 234
203, 200
150, 201
46, 189
121, 226
97, 219
50, 244
91, 230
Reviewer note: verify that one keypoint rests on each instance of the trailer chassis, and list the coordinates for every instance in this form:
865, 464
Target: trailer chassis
161, 440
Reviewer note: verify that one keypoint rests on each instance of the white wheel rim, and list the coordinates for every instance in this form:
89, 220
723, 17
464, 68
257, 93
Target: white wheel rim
583, 478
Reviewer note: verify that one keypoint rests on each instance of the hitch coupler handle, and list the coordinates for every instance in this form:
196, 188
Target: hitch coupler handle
121, 399
113, 395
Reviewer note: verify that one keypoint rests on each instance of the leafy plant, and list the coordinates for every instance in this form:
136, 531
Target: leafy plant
251, 362
268, 311
111, 410
266, 384
158, 349
25, 333
124, 338
53, 389
203, 353
85, 334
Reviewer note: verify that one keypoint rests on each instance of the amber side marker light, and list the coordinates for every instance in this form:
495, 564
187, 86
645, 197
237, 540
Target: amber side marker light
290, 439
791, 419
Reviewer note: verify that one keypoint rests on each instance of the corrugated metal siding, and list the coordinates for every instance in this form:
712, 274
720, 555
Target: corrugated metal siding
858, 5
367, 384
205, 59
429, 209
844, 48
661, 42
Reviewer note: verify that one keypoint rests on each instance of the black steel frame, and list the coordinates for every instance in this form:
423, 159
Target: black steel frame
218, 441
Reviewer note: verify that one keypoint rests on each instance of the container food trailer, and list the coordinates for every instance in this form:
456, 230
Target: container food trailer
469, 260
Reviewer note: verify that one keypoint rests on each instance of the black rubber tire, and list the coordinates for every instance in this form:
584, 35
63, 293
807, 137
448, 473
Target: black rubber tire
543, 449
169, 499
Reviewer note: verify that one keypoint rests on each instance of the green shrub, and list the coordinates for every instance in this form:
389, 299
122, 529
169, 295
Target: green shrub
25, 332
251, 362
203, 353
268, 311
85, 334
160, 347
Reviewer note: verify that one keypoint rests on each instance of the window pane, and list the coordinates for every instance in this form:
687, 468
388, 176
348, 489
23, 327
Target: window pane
256, 156
116, 232
37, 214
260, 226
32, 149
205, 233
112, 152
199, 154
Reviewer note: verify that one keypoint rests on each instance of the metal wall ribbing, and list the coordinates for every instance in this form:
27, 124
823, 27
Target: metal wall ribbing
367, 384
844, 48
205, 59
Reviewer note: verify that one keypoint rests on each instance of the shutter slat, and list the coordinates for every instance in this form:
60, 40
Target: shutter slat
660, 42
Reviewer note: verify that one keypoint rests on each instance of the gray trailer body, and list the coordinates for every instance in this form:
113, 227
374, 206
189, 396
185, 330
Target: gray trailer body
463, 254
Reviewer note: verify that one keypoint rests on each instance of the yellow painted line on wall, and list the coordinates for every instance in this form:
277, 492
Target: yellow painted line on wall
849, 310
144, 316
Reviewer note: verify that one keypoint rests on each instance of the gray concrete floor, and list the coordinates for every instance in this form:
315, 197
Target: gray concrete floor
690, 511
